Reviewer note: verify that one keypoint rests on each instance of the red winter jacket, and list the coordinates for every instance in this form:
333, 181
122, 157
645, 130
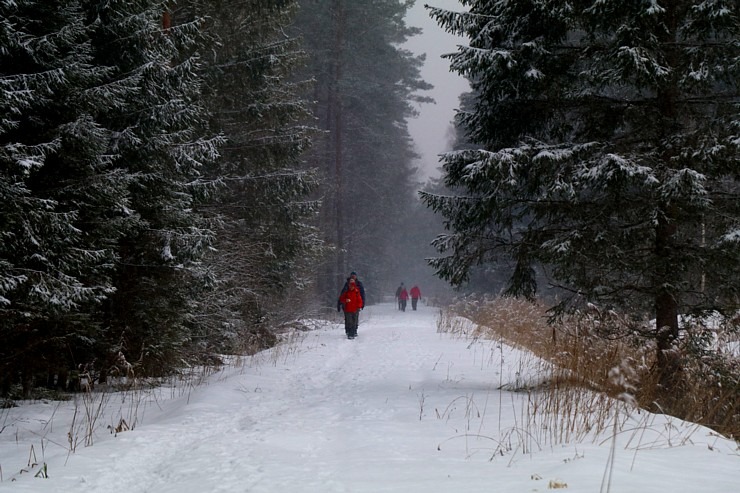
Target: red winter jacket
351, 299
415, 292
404, 294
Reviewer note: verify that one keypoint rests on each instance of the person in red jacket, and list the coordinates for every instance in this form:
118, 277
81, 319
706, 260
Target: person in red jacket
415, 295
403, 297
351, 301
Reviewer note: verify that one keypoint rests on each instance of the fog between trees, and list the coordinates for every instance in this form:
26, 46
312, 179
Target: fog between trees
179, 180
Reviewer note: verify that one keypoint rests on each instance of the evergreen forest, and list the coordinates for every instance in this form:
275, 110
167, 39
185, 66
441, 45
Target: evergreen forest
181, 180
598, 166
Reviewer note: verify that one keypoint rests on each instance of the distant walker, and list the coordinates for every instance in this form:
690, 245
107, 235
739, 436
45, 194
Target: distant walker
415, 296
403, 297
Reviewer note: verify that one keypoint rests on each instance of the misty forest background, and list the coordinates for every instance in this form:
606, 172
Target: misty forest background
180, 180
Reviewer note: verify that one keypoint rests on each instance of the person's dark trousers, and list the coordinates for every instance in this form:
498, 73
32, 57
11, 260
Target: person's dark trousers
413, 303
351, 320
403, 305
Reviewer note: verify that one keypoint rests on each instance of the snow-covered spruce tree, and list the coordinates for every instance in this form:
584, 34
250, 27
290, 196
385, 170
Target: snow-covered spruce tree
365, 87
266, 249
61, 198
485, 278
159, 137
609, 134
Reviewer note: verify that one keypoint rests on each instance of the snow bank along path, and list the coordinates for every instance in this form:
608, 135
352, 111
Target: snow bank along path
399, 409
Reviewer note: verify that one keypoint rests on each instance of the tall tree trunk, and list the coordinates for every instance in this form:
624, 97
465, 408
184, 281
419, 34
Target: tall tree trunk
666, 302
666, 307
336, 105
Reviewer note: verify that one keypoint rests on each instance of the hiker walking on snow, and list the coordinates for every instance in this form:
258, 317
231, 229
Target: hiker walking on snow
415, 295
403, 297
351, 301
398, 295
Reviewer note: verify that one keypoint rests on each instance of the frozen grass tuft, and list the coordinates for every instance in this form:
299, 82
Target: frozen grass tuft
587, 374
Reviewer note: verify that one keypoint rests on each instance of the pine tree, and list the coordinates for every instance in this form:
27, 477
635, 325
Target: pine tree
266, 247
160, 137
62, 197
609, 154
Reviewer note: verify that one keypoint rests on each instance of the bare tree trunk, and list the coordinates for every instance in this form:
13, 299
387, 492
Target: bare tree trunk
336, 104
666, 302
666, 308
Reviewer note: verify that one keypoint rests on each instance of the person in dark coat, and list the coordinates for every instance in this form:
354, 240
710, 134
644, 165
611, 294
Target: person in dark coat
398, 295
351, 302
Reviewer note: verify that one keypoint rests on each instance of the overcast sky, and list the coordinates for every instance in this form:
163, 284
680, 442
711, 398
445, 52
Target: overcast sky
431, 130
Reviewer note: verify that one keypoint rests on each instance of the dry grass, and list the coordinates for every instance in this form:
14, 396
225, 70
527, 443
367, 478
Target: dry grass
605, 352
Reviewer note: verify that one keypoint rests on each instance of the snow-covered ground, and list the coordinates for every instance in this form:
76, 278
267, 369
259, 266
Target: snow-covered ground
401, 408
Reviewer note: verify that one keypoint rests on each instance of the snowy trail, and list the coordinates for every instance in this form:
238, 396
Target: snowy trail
399, 409
331, 429
307, 418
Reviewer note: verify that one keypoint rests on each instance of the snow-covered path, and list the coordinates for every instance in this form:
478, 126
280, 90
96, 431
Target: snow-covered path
400, 409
